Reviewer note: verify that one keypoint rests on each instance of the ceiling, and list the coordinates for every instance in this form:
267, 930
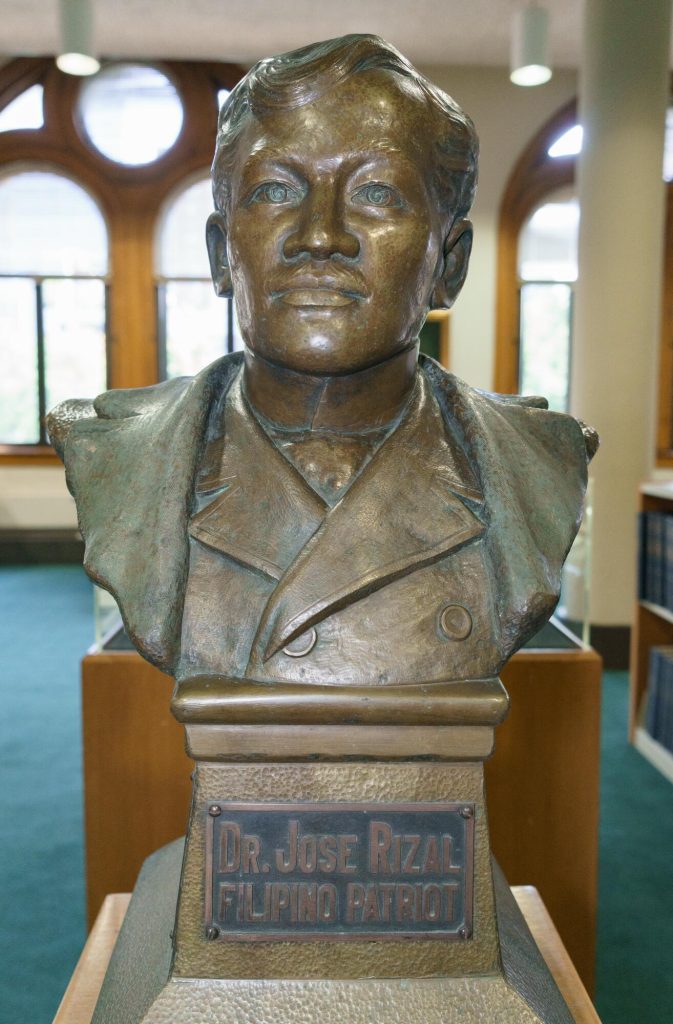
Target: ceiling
428, 31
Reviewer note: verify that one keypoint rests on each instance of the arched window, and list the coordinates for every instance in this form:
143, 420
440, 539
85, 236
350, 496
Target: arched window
117, 147
547, 165
195, 326
534, 182
547, 270
53, 270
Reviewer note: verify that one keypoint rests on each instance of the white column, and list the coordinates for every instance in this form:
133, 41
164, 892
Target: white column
623, 98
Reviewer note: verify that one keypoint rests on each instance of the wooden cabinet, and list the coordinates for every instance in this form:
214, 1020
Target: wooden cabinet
652, 627
542, 781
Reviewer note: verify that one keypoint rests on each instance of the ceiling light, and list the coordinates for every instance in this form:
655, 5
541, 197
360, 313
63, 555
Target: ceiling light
529, 65
76, 57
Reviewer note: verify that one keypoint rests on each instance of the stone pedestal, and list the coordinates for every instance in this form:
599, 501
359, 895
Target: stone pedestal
479, 963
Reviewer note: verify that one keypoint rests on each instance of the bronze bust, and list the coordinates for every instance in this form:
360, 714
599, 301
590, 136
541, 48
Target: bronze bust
334, 546
325, 508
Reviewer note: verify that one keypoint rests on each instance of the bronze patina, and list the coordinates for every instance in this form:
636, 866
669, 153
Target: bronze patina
333, 546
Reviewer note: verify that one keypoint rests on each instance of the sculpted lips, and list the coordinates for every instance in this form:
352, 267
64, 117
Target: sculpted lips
319, 290
317, 297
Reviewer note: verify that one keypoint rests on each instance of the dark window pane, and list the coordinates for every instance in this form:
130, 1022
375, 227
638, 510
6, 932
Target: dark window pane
430, 338
19, 409
544, 354
74, 339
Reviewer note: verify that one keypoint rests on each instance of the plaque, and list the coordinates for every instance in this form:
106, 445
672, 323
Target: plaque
343, 871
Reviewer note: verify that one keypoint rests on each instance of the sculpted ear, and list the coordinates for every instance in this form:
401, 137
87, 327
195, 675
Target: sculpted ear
216, 240
457, 249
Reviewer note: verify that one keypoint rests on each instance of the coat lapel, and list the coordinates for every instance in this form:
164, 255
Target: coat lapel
401, 513
131, 470
259, 511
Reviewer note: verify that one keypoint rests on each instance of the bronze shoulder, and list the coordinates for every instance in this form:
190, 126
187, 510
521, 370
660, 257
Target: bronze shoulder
62, 417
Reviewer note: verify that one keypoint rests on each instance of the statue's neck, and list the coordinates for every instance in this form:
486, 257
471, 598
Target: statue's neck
350, 403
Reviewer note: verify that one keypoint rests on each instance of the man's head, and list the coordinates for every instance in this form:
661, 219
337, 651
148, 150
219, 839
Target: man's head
342, 180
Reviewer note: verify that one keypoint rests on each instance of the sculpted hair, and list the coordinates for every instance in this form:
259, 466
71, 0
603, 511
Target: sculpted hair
293, 79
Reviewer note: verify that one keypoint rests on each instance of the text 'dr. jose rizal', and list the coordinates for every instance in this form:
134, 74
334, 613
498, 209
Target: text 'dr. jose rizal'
339, 870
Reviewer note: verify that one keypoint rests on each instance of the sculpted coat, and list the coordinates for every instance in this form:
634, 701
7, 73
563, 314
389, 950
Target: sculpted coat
224, 560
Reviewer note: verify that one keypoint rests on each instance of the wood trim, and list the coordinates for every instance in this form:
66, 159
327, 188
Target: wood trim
18, 75
28, 455
80, 997
555, 954
534, 176
132, 344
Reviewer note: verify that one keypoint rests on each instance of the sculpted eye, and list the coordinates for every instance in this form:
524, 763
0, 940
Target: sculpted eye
274, 192
377, 194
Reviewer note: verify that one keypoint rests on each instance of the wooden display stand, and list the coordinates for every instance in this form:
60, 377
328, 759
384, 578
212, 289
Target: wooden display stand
80, 997
652, 627
542, 782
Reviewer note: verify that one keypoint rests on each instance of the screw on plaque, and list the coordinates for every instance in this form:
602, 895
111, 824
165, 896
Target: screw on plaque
465, 933
466, 812
214, 810
212, 932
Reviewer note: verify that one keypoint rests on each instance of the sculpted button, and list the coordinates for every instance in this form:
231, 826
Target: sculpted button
455, 622
301, 645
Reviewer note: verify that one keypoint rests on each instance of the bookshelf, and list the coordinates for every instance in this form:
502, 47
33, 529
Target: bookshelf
652, 627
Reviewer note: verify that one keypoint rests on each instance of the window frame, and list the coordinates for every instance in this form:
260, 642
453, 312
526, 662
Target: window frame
521, 283
38, 281
130, 199
536, 175
570, 285
161, 280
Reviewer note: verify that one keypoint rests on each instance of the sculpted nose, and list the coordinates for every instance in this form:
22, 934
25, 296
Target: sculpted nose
320, 231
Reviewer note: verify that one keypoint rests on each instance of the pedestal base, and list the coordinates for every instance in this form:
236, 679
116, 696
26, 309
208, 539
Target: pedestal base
138, 988
194, 948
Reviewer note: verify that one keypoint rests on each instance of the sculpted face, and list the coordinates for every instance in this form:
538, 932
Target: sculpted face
334, 237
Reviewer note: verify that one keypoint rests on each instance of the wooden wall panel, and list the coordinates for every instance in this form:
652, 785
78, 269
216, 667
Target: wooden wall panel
543, 790
137, 783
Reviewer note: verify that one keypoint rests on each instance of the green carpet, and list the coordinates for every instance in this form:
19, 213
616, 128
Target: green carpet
46, 617
47, 624
635, 895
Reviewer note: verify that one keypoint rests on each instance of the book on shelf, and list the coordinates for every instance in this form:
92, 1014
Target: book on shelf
655, 558
658, 719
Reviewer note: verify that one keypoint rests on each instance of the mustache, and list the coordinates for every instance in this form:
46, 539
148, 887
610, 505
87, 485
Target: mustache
332, 278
